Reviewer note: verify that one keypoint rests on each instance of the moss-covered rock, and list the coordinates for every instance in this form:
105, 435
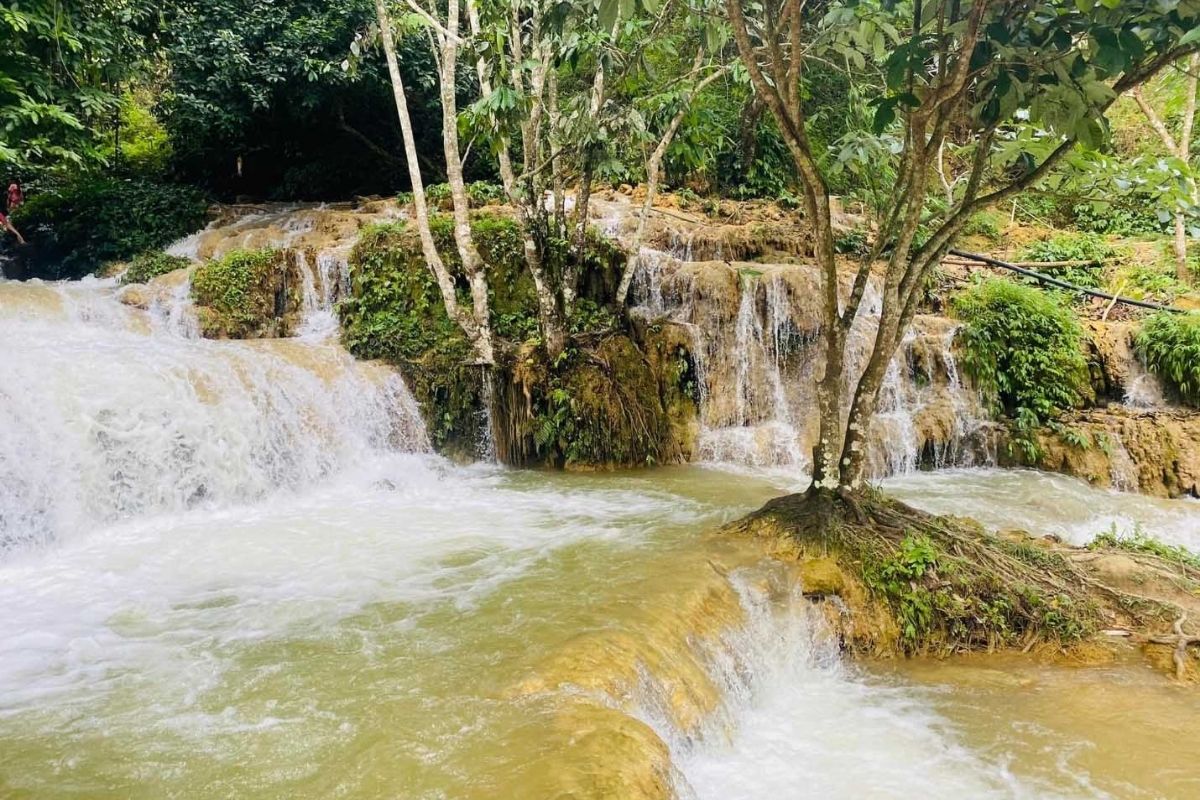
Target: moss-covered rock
1155, 452
604, 404
613, 399
247, 295
916, 583
151, 264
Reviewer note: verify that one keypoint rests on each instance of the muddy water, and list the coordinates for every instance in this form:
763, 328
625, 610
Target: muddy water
414, 629
231, 570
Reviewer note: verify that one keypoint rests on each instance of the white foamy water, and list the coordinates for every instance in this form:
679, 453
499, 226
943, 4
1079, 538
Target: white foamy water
230, 569
104, 415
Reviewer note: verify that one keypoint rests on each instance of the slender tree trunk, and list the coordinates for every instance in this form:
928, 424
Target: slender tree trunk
653, 175
1181, 148
472, 263
584, 195
443, 277
1182, 271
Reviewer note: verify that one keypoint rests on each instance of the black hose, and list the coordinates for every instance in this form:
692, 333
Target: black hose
1063, 284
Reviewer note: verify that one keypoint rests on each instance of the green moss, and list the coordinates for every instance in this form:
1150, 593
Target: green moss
600, 404
395, 312
1170, 345
948, 584
1024, 349
941, 601
237, 295
151, 264
603, 408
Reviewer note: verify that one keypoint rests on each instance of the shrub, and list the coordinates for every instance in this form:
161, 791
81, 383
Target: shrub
236, 293
1152, 279
1068, 247
1023, 348
1084, 247
1170, 345
855, 241
988, 224
1132, 215
1138, 541
151, 264
98, 220
482, 193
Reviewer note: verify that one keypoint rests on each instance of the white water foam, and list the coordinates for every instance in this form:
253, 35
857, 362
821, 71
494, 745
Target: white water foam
100, 421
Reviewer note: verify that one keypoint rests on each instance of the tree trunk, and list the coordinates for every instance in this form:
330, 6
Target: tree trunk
584, 195
444, 280
653, 173
472, 263
653, 170
1182, 272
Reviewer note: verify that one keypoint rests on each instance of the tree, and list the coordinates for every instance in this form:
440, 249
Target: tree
685, 90
62, 64
1020, 84
518, 49
477, 323
257, 102
1179, 146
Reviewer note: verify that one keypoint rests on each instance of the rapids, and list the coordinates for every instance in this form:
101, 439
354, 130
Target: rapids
233, 569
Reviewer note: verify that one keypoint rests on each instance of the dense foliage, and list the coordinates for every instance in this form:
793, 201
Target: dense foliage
87, 224
61, 66
1170, 345
262, 81
1088, 253
599, 403
1068, 247
1023, 348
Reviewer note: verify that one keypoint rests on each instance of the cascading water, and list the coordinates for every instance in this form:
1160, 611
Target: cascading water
1144, 389
254, 582
106, 414
757, 361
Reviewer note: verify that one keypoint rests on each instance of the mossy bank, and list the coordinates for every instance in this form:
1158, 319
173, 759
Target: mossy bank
618, 396
892, 580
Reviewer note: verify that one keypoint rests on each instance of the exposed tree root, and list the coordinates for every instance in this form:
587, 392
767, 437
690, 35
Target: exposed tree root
1181, 642
944, 584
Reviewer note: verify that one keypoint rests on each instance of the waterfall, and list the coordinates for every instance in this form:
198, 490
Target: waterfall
758, 428
1123, 470
107, 412
757, 350
1143, 388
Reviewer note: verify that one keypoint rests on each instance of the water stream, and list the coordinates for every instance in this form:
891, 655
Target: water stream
233, 569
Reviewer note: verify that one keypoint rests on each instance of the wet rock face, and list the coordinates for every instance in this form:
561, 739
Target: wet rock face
1111, 357
756, 331
1155, 452
248, 295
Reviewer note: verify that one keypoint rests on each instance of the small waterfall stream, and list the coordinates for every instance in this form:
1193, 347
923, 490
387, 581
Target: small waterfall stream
757, 353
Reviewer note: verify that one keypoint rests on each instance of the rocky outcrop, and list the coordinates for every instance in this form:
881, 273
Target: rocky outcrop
890, 579
248, 295
1155, 452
